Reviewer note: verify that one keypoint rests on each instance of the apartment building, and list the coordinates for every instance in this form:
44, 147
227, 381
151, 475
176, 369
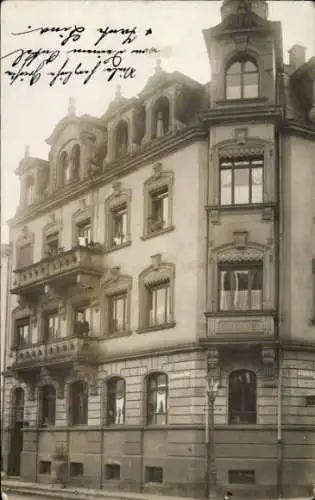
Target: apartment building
167, 244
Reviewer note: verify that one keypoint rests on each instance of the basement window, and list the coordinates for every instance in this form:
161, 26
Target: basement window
112, 472
76, 469
154, 475
241, 476
44, 467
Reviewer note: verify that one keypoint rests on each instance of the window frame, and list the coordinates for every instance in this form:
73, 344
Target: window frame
115, 284
84, 224
152, 294
51, 405
111, 396
245, 398
81, 308
161, 105
232, 168
160, 180
78, 415
151, 394
125, 125
112, 305
49, 238
118, 200
250, 267
242, 61
46, 315
22, 322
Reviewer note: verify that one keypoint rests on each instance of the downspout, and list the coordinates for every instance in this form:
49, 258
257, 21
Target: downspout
279, 283
6, 341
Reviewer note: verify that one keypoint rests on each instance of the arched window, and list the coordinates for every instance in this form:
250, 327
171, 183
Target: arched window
18, 406
242, 397
161, 117
157, 391
121, 139
115, 401
30, 190
75, 162
47, 405
64, 169
242, 80
78, 403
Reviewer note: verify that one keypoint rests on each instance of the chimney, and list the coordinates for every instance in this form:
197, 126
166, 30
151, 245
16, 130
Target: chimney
297, 56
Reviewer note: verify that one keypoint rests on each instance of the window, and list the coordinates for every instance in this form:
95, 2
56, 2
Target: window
242, 79
24, 255
161, 117
117, 313
52, 244
23, 332
242, 397
115, 401
47, 405
51, 326
157, 388
18, 406
82, 320
241, 181
75, 162
76, 469
64, 169
78, 403
119, 225
241, 476
112, 472
159, 210
153, 475
158, 310
121, 139
241, 287
44, 467
30, 190
84, 231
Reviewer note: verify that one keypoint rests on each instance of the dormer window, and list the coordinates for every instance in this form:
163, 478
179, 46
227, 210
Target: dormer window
64, 168
161, 117
75, 162
242, 80
121, 139
30, 190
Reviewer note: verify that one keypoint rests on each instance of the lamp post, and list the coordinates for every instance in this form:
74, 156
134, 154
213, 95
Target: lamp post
212, 391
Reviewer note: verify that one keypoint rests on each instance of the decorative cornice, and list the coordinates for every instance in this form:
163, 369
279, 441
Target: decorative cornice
118, 169
294, 127
244, 112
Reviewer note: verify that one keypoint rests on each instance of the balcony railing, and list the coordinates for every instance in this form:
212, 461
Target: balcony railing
78, 259
58, 352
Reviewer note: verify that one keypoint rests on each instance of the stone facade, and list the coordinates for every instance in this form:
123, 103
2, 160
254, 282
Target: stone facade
100, 203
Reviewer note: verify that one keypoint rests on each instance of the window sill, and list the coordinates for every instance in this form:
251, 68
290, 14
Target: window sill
116, 335
157, 233
118, 247
156, 328
244, 312
241, 206
241, 100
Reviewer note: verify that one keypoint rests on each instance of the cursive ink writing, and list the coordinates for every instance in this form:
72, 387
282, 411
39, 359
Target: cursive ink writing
129, 34
74, 35
60, 65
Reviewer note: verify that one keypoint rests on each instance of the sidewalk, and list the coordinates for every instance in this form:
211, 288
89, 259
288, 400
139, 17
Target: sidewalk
54, 491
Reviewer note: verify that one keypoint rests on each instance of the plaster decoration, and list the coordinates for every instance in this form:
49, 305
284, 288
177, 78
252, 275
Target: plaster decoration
213, 359
269, 360
267, 214
245, 254
240, 239
240, 135
236, 326
241, 42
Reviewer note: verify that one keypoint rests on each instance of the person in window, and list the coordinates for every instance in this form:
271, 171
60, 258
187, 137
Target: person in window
82, 327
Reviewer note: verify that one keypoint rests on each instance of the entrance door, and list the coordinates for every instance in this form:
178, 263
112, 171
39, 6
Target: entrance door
16, 438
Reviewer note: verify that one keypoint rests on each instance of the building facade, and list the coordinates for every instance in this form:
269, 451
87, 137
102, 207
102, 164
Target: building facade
168, 244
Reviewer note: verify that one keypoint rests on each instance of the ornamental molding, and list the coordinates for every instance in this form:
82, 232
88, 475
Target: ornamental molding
158, 272
113, 282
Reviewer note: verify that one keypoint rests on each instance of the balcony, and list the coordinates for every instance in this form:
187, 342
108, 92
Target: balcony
60, 270
240, 326
57, 354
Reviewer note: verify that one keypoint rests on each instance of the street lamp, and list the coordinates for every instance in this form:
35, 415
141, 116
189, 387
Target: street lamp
212, 390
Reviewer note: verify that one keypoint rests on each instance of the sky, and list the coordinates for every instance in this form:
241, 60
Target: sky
30, 113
